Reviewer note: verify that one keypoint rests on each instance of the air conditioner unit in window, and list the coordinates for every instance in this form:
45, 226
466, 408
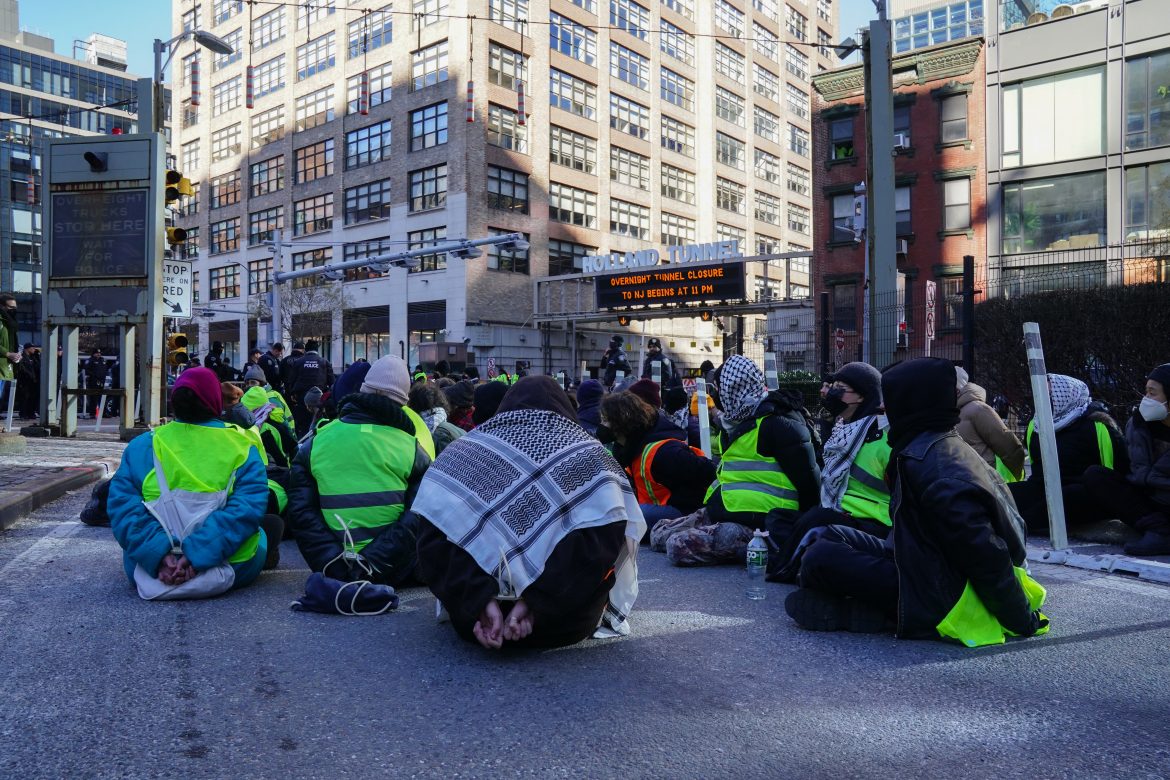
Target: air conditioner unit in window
903, 246
901, 141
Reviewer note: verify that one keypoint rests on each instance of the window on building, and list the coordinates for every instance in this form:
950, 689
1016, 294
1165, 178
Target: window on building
677, 89
226, 96
629, 219
224, 190
765, 83
843, 212
1064, 212
678, 184
729, 18
681, 7
504, 130
268, 77
902, 126
957, 204
1059, 117
225, 143
629, 16
380, 85
233, 39
678, 231
225, 236
629, 66
428, 126
729, 106
189, 249
845, 306
367, 145
512, 14
731, 233
507, 189
262, 225
572, 94
799, 179
767, 208
767, 245
766, 44
1147, 101
730, 151
678, 136
950, 291
266, 176
313, 162
373, 30
428, 188
268, 29
572, 206
953, 118
766, 124
190, 156
841, 145
796, 99
428, 66
572, 150
824, 43
626, 167
767, 8
729, 63
795, 23
676, 42
798, 140
367, 202
767, 166
499, 259
316, 56
903, 224
225, 282
311, 12
629, 117
189, 207
506, 66
572, 39
428, 12
798, 219
796, 62
315, 108
418, 239
314, 258
190, 19
730, 196
313, 215
567, 257
259, 276
1147, 202
222, 10
364, 250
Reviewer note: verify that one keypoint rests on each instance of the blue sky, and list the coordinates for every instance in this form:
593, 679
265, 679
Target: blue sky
139, 22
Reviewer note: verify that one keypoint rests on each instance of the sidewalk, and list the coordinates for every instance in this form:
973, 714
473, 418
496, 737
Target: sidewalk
49, 468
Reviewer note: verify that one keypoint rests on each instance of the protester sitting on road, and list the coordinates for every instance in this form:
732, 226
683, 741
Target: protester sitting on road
589, 396
431, 405
983, 429
282, 412
674, 405
768, 458
354, 480
461, 397
669, 477
853, 488
1141, 497
235, 412
487, 399
1085, 436
202, 459
529, 528
280, 443
959, 540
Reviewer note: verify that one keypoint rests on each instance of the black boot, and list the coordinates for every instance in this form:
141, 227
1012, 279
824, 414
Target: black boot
818, 611
273, 527
1151, 543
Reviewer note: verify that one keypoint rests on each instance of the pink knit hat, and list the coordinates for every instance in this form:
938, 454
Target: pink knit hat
205, 384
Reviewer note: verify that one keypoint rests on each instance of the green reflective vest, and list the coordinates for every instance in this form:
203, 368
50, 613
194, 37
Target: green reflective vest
203, 459
1104, 441
866, 494
971, 623
1002, 469
361, 471
281, 413
421, 432
751, 482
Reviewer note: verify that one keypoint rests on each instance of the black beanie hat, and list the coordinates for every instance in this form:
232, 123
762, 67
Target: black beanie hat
1161, 374
863, 378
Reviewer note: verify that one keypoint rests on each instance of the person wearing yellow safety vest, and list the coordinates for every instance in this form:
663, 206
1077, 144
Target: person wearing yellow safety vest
768, 458
281, 412
954, 566
984, 430
197, 454
1085, 436
354, 480
854, 492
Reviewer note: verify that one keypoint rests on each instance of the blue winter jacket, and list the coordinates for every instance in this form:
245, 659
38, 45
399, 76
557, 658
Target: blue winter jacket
144, 541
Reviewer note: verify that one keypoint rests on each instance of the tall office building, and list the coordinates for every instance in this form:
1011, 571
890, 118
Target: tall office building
921, 23
43, 95
591, 126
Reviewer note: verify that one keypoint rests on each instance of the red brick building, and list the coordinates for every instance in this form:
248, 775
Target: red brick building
941, 182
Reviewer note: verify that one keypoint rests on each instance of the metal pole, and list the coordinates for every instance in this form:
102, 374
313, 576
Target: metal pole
11, 403
50, 401
69, 366
825, 364
704, 418
127, 369
156, 120
880, 190
277, 264
969, 315
1050, 459
739, 325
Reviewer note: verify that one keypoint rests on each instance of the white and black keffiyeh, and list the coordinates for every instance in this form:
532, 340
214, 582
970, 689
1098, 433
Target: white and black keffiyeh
741, 388
510, 490
1070, 399
841, 450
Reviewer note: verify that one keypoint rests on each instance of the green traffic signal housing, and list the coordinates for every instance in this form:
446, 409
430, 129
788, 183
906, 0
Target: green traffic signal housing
178, 186
176, 349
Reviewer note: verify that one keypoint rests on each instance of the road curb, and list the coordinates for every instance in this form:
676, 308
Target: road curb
1110, 563
15, 504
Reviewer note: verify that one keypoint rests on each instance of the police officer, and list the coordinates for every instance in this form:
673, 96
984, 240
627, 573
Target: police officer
308, 371
654, 355
270, 363
615, 360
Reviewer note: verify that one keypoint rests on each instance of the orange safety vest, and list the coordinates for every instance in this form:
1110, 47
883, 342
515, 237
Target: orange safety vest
647, 490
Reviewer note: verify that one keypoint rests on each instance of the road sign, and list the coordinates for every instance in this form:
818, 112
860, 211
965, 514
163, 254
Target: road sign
491, 368
176, 288
100, 234
931, 297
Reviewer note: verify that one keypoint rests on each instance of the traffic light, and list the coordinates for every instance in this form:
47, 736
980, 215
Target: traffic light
178, 186
624, 320
176, 236
706, 315
176, 349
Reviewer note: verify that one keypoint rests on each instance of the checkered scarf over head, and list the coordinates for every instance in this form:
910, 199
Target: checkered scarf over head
1070, 399
741, 388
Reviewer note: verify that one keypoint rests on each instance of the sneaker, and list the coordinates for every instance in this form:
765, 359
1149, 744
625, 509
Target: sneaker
1151, 543
818, 611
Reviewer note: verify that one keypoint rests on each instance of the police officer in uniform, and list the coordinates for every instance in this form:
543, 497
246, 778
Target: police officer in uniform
307, 371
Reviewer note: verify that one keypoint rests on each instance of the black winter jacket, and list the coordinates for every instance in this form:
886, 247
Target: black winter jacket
684, 473
1149, 457
954, 523
393, 551
1077, 447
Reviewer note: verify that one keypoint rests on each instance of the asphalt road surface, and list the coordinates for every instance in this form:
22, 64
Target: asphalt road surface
98, 684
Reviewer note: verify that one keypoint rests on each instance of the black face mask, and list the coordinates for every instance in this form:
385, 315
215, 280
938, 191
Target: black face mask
834, 401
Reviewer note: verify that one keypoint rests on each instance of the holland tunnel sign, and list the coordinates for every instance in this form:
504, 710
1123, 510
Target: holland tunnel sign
99, 234
671, 285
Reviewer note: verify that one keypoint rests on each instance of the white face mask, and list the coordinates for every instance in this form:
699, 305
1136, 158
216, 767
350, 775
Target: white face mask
1151, 410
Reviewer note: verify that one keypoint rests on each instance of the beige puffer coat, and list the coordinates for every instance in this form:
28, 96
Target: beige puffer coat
983, 429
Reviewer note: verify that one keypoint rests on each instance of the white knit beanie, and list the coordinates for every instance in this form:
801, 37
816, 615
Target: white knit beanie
389, 377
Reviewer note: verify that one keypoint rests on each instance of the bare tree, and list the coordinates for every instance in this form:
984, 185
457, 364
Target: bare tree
307, 307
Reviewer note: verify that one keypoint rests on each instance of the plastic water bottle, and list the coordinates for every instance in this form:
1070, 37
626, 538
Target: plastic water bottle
757, 565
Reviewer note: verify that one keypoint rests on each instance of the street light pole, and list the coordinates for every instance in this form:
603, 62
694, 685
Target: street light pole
882, 332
